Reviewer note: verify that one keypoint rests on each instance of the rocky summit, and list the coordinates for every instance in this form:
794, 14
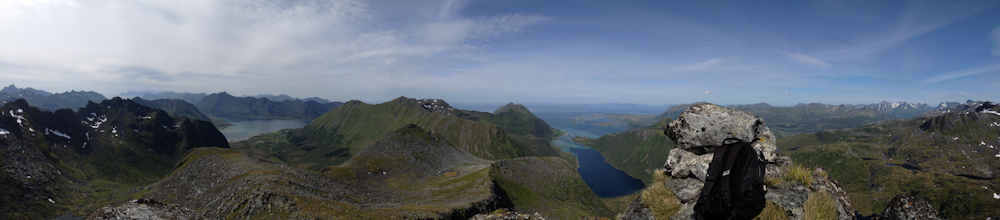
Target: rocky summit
144, 209
707, 125
906, 206
793, 192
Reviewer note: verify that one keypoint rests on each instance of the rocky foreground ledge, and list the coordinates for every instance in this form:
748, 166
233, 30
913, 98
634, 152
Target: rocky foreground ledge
792, 191
145, 209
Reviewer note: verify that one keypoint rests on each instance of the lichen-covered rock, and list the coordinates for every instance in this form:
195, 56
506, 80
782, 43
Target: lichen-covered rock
505, 214
841, 201
637, 210
686, 189
682, 163
905, 206
144, 209
790, 197
707, 125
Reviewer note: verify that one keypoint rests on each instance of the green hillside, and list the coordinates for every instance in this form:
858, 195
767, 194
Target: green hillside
951, 160
550, 186
339, 134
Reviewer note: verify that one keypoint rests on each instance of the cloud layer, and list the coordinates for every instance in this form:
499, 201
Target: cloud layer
509, 51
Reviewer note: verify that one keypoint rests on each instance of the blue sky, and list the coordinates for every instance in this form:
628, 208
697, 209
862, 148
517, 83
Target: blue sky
648, 52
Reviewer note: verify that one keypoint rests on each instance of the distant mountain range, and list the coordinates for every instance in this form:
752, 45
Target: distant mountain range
195, 98
174, 107
816, 116
283, 97
227, 105
48, 101
192, 98
11, 89
66, 161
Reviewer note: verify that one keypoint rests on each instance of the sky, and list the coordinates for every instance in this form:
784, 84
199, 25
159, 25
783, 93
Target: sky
499, 51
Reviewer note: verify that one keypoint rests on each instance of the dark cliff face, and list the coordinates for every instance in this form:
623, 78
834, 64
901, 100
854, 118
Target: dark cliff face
52, 158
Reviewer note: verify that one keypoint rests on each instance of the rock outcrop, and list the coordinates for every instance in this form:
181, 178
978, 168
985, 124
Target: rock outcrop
701, 128
906, 206
145, 209
707, 125
504, 214
637, 210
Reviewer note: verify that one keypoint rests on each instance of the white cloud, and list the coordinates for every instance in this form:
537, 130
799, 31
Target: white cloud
995, 37
701, 65
192, 45
786, 93
811, 61
706, 93
962, 73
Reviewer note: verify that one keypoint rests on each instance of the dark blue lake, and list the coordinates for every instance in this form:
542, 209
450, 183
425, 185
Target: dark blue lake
603, 178
244, 128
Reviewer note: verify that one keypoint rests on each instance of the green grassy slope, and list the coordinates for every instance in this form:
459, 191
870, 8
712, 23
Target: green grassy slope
951, 160
547, 185
334, 137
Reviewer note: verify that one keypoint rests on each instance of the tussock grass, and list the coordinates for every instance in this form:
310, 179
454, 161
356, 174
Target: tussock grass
820, 206
660, 200
772, 212
799, 175
773, 181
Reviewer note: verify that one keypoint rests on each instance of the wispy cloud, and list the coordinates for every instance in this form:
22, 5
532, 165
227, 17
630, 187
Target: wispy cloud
802, 58
786, 93
701, 65
917, 19
164, 42
952, 75
706, 93
995, 37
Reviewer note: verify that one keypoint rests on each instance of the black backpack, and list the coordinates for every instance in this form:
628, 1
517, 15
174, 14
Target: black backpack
734, 187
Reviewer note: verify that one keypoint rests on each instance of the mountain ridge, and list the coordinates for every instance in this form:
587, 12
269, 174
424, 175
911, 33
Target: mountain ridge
66, 161
225, 104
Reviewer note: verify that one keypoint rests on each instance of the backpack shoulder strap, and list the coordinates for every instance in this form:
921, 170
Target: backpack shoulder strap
731, 152
714, 172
